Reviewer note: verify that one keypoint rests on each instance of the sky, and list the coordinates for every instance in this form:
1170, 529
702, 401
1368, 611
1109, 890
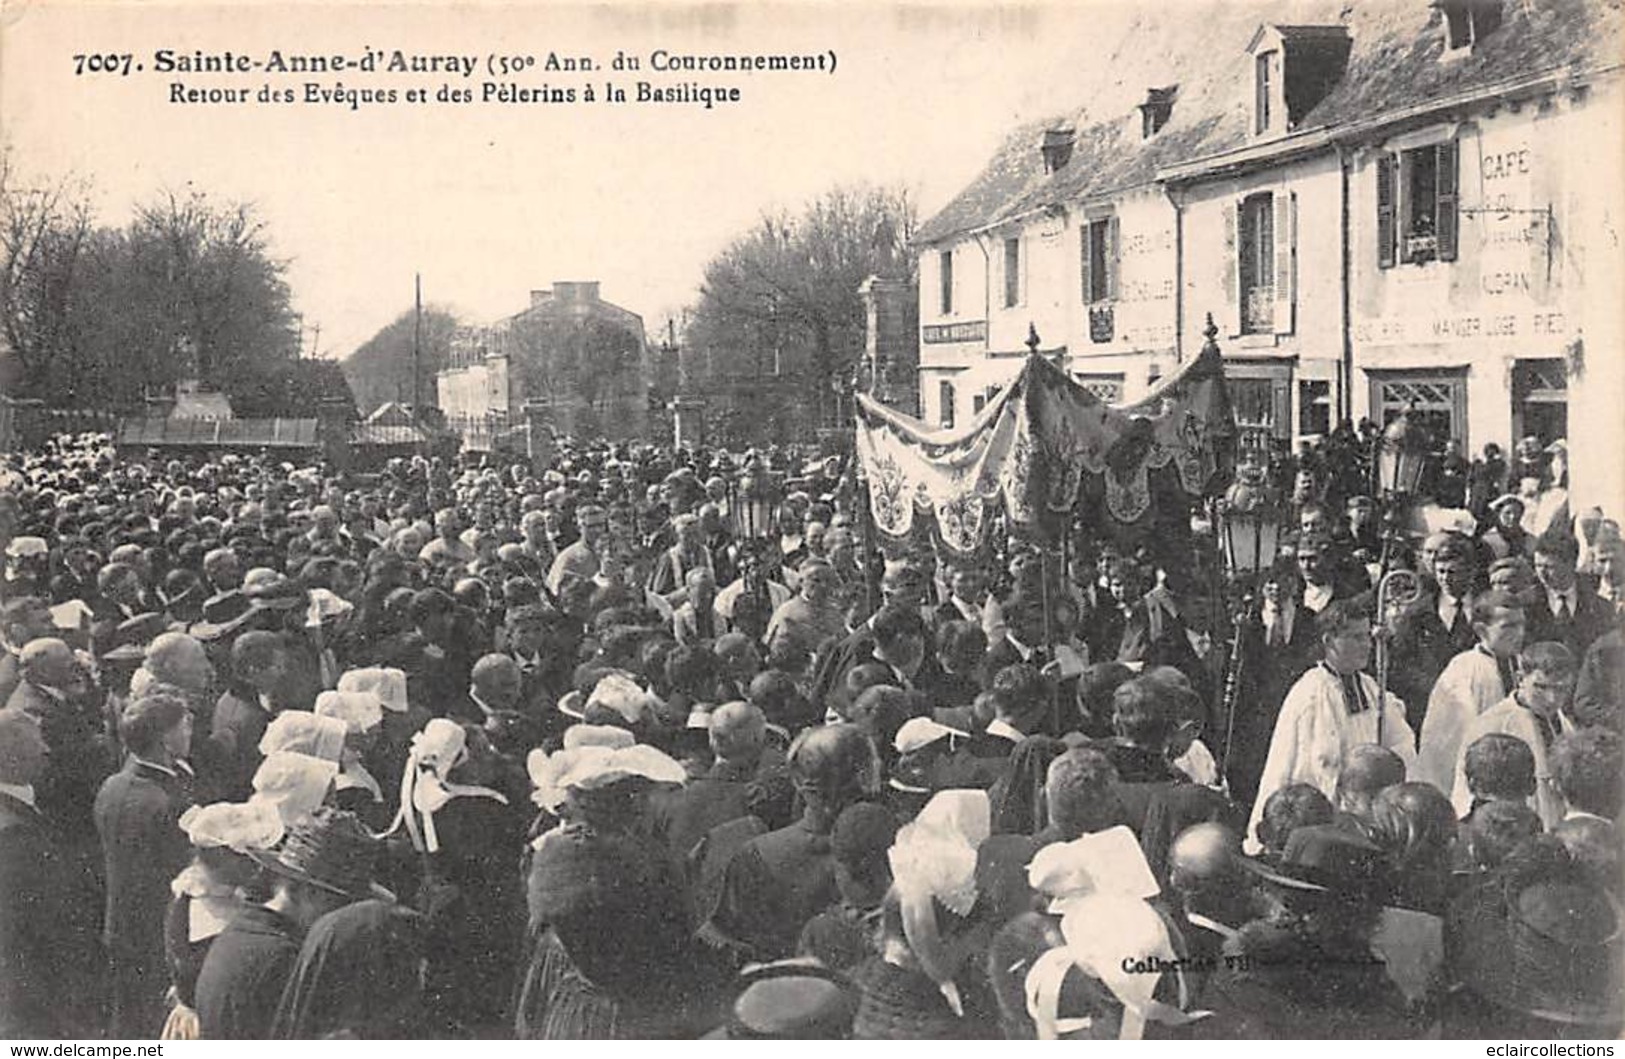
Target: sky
490, 201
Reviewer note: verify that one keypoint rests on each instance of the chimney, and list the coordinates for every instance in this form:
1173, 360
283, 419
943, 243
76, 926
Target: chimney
1057, 147
574, 292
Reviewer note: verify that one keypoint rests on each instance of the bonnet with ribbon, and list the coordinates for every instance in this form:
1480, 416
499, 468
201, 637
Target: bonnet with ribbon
425, 786
933, 861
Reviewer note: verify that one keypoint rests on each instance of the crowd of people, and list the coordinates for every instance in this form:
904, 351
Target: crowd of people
612, 749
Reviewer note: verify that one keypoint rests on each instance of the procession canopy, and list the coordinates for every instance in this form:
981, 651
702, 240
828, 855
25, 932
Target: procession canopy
1044, 446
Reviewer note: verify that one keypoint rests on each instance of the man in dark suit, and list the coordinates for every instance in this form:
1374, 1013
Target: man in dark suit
746, 778
1434, 629
242, 714
24, 619
1276, 644
47, 906
137, 814
1565, 611
79, 757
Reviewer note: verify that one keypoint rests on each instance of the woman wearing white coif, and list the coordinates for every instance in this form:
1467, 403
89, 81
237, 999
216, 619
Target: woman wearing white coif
355, 788
426, 786
467, 832
220, 882
909, 991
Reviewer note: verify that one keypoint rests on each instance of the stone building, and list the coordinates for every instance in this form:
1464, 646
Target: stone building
571, 361
1384, 205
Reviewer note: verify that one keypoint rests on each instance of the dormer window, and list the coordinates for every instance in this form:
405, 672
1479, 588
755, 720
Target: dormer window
1466, 22
1294, 68
1057, 148
1156, 110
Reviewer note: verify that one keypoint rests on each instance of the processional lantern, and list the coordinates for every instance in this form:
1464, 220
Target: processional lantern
1250, 521
1402, 456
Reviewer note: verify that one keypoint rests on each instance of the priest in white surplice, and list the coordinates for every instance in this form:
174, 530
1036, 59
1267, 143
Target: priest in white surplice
1470, 684
1331, 709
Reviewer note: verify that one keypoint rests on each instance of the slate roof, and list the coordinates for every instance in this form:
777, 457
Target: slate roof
383, 434
152, 432
1394, 65
390, 414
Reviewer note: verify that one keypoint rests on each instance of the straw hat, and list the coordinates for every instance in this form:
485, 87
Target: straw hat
331, 851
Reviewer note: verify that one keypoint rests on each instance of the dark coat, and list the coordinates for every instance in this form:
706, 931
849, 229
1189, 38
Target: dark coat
773, 886
1267, 673
244, 974
48, 950
1421, 648
137, 811
80, 760
234, 739
1592, 617
1599, 695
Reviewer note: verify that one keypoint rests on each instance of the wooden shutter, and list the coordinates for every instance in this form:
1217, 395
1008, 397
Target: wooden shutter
1387, 185
1232, 268
1281, 401
1286, 260
1086, 259
1447, 226
1111, 258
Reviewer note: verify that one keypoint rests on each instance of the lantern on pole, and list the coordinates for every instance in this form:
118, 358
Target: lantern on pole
1250, 522
1402, 456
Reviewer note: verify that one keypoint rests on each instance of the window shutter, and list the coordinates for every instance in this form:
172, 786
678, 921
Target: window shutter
1084, 258
1447, 225
1111, 259
1387, 185
1281, 406
1232, 268
1286, 260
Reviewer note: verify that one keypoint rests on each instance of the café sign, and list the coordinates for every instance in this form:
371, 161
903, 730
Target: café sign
1422, 329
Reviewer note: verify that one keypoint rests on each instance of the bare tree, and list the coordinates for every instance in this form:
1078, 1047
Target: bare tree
783, 298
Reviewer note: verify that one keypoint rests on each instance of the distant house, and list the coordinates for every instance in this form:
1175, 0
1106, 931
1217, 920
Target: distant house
586, 360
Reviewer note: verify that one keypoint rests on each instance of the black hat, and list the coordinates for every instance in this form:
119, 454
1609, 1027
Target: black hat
1323, 859
331, 851
130, 639
224, 607
279, 593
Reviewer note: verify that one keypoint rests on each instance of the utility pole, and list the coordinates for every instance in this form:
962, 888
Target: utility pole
417, 348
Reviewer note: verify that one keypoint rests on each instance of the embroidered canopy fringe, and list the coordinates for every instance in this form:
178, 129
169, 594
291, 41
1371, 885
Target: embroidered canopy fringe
1032, 445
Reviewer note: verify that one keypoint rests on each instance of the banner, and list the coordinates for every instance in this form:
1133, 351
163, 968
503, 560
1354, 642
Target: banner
1032, 445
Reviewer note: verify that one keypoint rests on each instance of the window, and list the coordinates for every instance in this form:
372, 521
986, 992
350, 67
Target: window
945, 405
1418, 208
1012, 272
1260, 401
1106, 386
1437, 401
1314, 407
977, 403
1256, 264
945, 274
1540, 399
1262, 89
1098, 248
1466, 22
